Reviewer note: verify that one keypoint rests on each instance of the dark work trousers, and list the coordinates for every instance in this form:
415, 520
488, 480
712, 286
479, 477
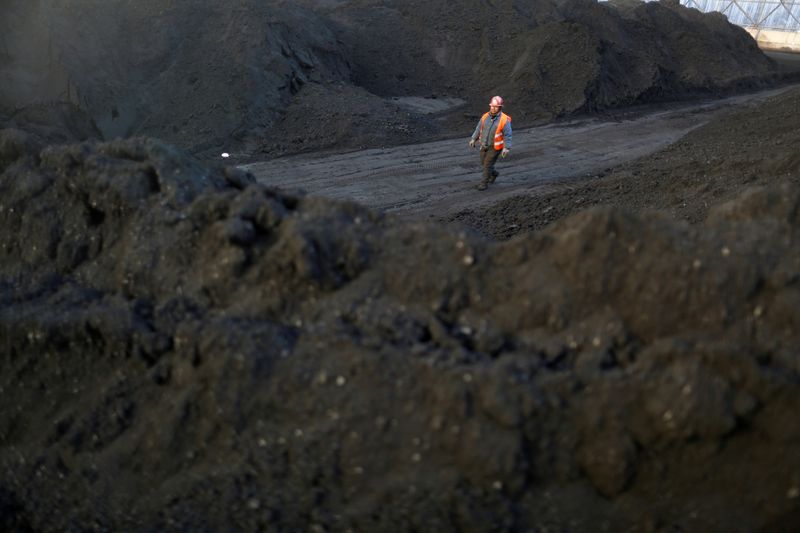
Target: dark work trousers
488, 158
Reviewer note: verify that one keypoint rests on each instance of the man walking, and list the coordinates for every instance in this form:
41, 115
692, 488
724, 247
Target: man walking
493, 136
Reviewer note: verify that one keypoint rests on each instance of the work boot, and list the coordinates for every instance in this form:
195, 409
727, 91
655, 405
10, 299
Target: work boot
482, 186
494, 176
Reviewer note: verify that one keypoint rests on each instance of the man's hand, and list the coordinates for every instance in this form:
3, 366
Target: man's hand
504, 152
472, 143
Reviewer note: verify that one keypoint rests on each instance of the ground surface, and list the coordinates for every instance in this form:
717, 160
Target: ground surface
742, 146
185, 349
438, 179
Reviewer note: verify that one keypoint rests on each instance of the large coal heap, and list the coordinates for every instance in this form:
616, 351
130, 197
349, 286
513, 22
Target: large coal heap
183, 348
266, 78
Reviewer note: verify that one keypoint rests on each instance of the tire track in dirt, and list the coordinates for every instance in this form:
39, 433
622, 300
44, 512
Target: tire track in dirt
434, 179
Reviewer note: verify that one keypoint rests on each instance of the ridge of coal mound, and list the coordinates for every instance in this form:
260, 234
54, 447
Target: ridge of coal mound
183, 348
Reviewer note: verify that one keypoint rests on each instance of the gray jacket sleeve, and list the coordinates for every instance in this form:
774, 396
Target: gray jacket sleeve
477, 131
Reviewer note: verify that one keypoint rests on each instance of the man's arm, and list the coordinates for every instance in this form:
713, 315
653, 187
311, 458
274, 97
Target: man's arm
475, 135
477, 132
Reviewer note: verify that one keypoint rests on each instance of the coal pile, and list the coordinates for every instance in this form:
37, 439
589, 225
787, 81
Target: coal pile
186, 349
262, 79
53, 123
182, 348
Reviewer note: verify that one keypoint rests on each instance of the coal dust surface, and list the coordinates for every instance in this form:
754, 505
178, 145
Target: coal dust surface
185, 349
746, 146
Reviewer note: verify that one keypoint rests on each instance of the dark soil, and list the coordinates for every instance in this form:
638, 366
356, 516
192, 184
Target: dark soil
53, 123
183, 349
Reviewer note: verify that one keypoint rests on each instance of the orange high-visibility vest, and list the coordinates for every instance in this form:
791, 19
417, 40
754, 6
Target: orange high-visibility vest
499, 142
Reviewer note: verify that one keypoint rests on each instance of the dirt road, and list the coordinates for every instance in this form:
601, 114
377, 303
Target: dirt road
439, 178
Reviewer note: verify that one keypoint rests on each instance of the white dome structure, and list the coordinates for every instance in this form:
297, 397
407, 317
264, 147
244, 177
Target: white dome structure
775, 24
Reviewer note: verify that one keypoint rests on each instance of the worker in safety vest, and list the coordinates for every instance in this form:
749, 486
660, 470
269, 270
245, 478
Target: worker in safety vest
493, 136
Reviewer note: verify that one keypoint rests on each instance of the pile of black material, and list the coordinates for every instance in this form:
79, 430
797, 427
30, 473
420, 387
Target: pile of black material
260, 79
184, 349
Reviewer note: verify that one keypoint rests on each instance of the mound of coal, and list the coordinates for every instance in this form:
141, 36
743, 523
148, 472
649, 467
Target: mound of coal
547, 58
199, 74
749, 146
260, 79
184, 349
53, 123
